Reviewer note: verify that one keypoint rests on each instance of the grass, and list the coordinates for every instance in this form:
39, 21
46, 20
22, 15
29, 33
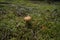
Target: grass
45, 24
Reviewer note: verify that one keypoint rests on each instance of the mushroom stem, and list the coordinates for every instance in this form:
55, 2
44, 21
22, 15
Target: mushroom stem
28, 24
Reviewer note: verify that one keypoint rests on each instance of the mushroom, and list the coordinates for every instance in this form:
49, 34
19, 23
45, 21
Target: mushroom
27, 18
28, 21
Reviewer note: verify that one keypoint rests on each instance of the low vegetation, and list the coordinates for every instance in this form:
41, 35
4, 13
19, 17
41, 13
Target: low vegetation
43, 20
